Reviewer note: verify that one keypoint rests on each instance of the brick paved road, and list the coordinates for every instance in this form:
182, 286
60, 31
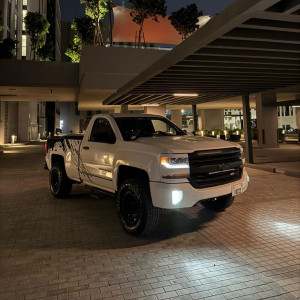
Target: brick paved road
76, 249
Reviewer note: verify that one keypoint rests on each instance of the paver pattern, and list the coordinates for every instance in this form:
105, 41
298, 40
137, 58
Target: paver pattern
75, 248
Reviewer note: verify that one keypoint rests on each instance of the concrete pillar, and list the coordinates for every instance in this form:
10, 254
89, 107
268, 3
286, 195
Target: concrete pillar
27, 121
298, 122
267, 119
2, 122
212, 119
195, 118
12, 123
23, 122
298, 117
155, 110
200, 125
124, 109
71, 121
65, 116
57, 114
176, 117
247, 128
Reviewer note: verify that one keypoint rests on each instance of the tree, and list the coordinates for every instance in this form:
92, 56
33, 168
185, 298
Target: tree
83, 35
7, 46
45, 53
184, 20
36, 27
96, 10
144, 9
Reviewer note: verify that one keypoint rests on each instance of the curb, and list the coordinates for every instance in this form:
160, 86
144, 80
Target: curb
273, 170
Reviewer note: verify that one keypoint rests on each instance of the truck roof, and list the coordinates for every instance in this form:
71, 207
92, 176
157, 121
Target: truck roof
115, 115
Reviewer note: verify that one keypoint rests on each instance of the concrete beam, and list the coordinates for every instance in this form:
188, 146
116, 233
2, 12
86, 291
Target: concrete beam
247, 128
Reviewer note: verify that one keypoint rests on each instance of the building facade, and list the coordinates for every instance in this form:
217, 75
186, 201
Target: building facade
27, 120
13, 14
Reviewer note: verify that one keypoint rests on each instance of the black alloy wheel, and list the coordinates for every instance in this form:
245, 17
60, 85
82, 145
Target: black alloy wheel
60, 184
137, 214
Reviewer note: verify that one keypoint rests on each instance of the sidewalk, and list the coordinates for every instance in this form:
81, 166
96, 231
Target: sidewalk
22, 147
282, 160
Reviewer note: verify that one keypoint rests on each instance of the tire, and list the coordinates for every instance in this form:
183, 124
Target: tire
137, 215
60, 184
218, 204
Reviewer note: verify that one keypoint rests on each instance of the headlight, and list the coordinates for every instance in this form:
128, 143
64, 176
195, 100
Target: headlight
175, 166
241, 153
175, 162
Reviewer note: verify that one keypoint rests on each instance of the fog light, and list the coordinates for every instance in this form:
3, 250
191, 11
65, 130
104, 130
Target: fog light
177, 197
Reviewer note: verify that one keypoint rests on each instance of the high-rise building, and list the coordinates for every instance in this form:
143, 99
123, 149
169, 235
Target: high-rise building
28, 120
13, 13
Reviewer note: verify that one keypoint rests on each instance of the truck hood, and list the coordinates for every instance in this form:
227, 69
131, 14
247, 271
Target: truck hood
186, 143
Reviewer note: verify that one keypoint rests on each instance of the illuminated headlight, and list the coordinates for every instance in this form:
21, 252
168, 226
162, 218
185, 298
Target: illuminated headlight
242, 156
175, 166
175, 162
241, 153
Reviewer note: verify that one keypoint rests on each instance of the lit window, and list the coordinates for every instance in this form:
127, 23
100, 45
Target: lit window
23, 45
24, 2
24, 15
16, 21
23, 40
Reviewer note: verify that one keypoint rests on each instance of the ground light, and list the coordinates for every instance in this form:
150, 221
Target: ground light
13, 139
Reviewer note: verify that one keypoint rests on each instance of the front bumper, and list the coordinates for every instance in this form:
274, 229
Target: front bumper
161, 193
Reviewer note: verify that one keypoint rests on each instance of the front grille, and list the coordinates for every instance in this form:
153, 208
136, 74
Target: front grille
215, 167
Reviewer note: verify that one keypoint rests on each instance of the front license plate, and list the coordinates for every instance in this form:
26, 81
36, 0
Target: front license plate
236, 189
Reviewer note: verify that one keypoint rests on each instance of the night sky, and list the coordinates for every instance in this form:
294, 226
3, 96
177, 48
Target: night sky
72, 8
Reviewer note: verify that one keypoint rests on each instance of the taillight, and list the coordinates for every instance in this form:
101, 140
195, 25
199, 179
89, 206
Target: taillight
45, 148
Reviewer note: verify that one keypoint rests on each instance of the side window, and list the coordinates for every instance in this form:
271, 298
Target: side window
159, 125
102, 132
162, 126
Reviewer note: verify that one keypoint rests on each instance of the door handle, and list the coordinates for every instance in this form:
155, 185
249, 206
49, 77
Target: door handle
86, 148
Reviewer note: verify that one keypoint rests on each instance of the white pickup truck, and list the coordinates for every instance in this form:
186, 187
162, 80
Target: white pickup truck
149, 164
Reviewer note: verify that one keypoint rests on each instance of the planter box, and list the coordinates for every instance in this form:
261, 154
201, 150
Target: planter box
235, 137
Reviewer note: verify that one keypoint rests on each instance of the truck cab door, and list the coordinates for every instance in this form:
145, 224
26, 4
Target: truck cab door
97, 155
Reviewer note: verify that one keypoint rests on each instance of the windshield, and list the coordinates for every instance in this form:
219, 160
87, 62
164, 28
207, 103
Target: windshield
134, 127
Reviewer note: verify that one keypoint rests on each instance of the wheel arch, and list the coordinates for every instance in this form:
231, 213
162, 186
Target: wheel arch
56, 158
126, 172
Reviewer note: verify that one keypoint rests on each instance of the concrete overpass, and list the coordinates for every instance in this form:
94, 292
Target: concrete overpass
250, 50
